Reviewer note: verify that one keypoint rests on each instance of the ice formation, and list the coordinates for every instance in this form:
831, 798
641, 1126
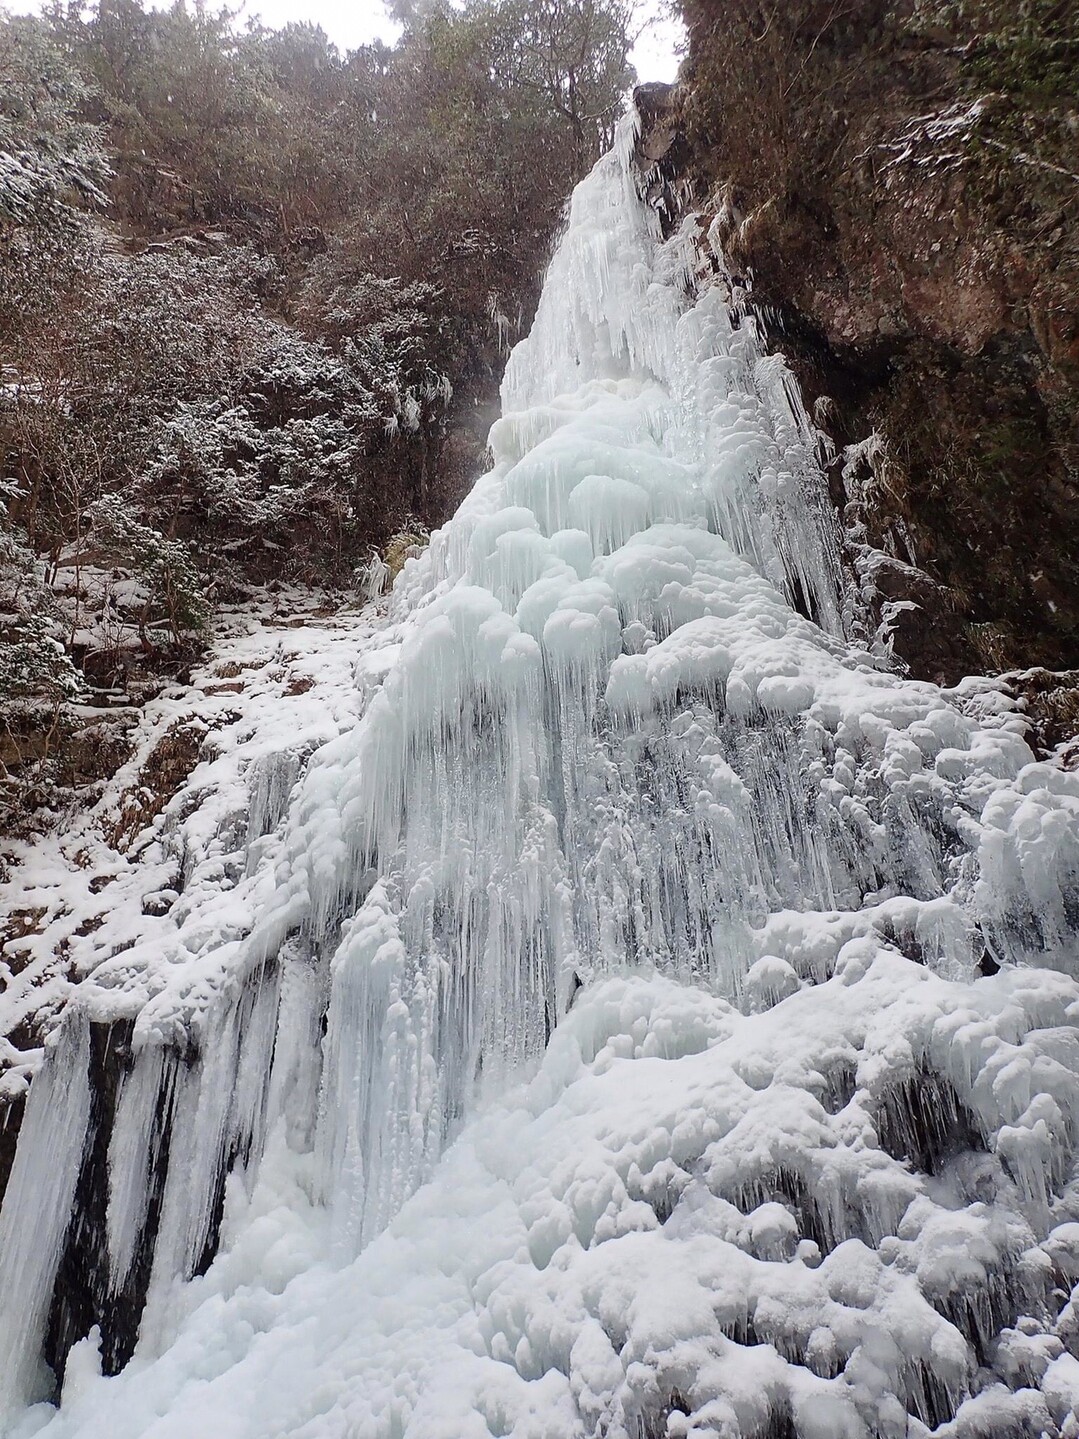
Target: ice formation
659, 1018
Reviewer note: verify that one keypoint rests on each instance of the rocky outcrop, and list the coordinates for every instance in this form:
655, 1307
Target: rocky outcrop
896, 184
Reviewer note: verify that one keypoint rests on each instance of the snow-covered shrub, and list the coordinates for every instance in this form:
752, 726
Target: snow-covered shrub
277, 459
389, 333
33, 663
51, 159
37, 677
175, 594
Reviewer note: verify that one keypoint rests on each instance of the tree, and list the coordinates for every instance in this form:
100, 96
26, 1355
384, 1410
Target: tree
573, 55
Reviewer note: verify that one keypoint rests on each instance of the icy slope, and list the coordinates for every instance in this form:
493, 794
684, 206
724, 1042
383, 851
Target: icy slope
787, 943
683, 1215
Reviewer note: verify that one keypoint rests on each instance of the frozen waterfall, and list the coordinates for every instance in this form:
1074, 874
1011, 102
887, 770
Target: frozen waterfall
661, 1020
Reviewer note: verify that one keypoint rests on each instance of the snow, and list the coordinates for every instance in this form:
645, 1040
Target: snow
643, 1014
605, 1238
270, 694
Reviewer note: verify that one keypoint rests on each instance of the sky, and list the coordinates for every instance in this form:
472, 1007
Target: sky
357, 22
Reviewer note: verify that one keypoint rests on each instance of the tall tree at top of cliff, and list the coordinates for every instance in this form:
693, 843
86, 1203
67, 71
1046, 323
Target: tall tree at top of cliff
573, 55
564, 62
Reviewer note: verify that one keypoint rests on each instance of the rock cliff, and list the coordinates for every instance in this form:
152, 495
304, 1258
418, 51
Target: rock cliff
895, 186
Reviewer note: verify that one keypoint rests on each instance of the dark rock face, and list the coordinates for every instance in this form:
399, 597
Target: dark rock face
11, 1114
898, 183
83, 1295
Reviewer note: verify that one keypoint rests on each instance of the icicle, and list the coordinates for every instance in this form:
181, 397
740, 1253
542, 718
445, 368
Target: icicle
37, 1211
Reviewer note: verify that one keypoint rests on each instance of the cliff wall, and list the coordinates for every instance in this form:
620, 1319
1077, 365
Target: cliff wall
895, 185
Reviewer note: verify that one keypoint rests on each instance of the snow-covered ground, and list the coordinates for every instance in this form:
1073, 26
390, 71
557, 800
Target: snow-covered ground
646, 1016
168, 862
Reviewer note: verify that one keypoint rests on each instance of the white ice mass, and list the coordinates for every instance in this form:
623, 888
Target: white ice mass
650, 1018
